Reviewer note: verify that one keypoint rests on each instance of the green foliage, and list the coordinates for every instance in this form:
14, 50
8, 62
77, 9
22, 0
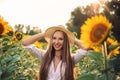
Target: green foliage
87, 77
15, 64
97, 57
92, 67
76, 20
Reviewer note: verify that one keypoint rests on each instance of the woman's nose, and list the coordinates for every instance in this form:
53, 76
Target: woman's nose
56, 40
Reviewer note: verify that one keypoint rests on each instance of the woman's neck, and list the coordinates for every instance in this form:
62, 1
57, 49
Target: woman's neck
58, 54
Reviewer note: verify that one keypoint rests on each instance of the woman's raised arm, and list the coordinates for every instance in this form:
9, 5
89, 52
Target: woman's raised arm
32, 39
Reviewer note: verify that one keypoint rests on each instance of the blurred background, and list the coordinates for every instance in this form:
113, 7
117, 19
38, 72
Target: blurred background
24, 18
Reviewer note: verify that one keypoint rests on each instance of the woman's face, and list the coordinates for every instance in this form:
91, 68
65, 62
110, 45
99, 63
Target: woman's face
58, 40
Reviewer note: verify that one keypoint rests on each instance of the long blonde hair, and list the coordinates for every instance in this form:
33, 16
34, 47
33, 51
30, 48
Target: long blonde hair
65, 57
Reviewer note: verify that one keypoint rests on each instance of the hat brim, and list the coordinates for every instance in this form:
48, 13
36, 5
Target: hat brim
49, 32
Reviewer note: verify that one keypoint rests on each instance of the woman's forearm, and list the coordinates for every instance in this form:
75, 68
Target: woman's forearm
32, 39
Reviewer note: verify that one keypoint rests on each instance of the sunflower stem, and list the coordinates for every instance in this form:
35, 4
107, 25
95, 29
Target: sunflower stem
104, 50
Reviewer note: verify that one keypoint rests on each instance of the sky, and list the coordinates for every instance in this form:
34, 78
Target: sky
41, 13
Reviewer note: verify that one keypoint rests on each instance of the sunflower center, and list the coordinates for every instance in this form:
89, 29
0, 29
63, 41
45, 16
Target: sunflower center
97, 32
1, 28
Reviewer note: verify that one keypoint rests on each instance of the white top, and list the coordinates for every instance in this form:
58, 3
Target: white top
55, 75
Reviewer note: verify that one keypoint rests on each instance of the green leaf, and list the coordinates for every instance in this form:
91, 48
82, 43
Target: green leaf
111, 76
7, 76
12, 68
97, 57
0, 72
20, 78
6, 60
9, 68
28, 64
15, 58
88, 77
29, 77
10, 59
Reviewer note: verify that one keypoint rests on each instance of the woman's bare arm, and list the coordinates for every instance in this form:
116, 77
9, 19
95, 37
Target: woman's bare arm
32, 39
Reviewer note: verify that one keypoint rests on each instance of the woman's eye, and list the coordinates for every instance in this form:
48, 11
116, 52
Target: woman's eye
61, 38
58, 38
54, 38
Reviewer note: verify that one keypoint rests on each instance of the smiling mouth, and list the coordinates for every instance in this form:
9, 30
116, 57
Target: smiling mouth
57, 46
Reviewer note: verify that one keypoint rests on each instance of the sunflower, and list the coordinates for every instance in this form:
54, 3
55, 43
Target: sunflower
96, 48
114, 52
4, 27
95, 30
14, 39
18, 35
10, 31
111, 42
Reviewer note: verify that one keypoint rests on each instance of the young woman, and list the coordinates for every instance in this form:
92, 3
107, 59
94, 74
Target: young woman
56, 62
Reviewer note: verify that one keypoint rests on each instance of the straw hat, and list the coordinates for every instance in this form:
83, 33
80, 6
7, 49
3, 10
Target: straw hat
49, 32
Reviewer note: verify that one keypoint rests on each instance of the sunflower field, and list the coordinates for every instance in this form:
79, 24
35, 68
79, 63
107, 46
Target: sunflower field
15, 62
102, 62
